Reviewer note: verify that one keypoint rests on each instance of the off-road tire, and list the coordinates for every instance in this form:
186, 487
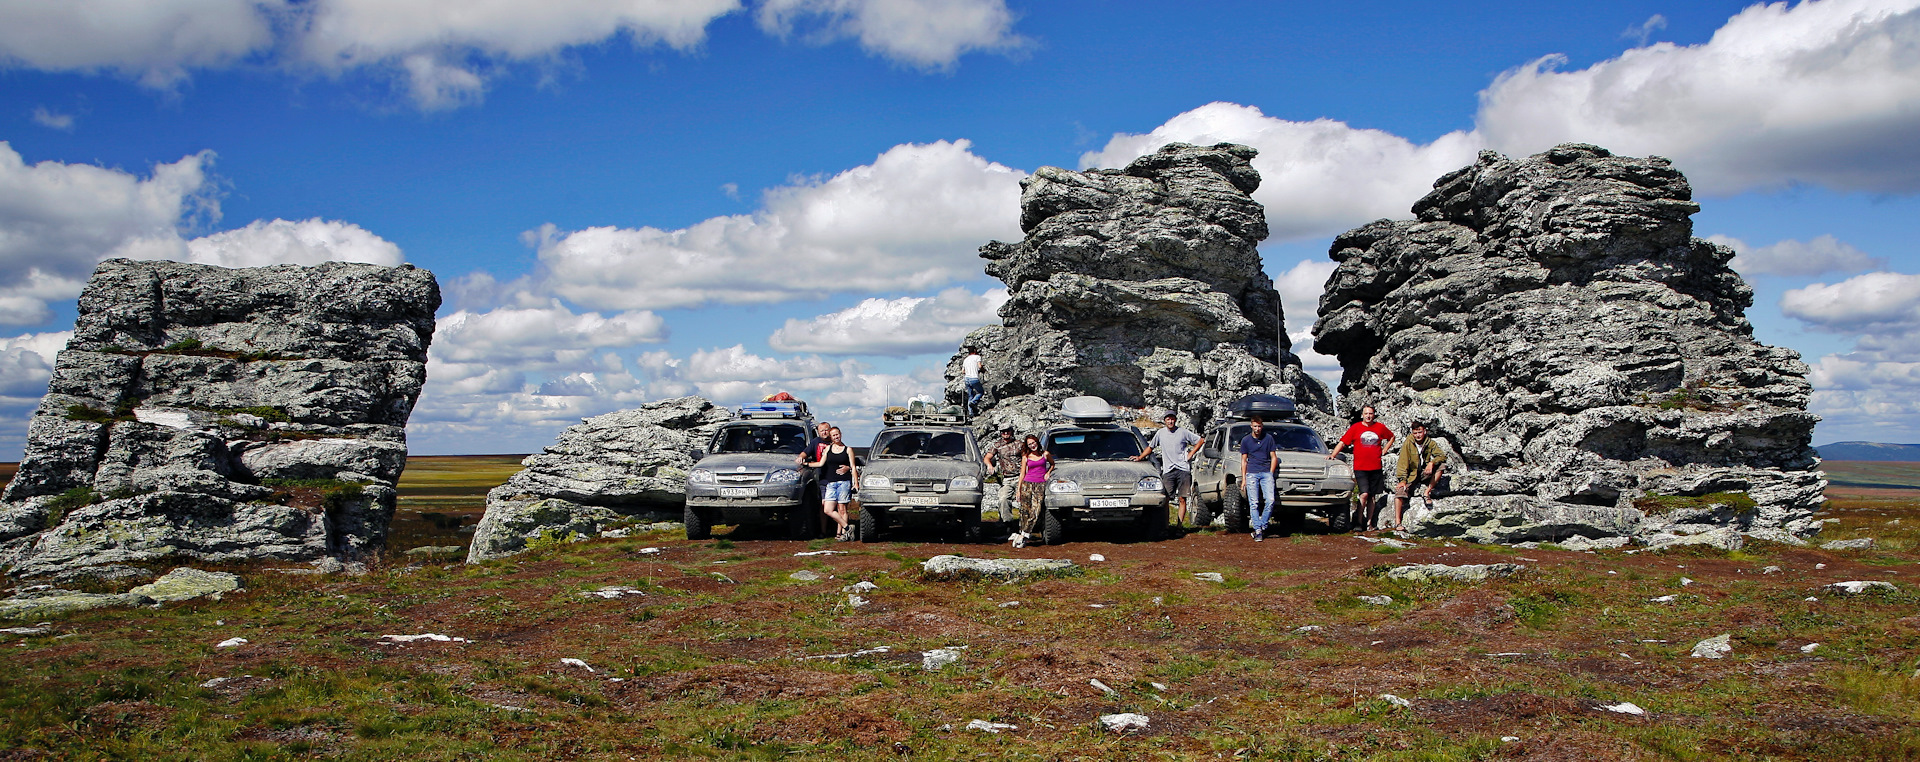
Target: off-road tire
1153, 523
1051, 530
698, 527
970, 529
1202, 511
871, 520
1233, 507
1340, 519
802, 519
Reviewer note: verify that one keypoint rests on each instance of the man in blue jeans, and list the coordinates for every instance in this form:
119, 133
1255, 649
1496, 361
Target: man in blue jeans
1259, 457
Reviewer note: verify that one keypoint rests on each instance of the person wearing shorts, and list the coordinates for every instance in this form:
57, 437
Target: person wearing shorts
1176, 447
838, 473
1368, 438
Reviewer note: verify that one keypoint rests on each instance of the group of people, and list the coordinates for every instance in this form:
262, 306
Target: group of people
1017, 476
827, 453
1420, 464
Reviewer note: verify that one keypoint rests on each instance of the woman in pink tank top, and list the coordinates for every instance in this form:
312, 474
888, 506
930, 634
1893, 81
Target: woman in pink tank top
1038, 467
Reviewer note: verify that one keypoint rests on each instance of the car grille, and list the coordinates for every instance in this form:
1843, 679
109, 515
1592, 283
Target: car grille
1300, 472
920, 485
734, 480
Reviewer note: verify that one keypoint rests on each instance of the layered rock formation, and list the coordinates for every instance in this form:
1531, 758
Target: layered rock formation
222, 414
1142, 286
608, 470
1555, 318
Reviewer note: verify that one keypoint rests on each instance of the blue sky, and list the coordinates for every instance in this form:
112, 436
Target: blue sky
626, 200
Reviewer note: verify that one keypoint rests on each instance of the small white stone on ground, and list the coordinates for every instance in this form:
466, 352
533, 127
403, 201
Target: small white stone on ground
1819, 566
1863, 543
1209, 577
1158, 686
1096, 557
610, 592
577, 663
649, 551
1103, 687
989, 727
1125, 722
1685, 582
1663, 599
853, 654
1509, 739
1395, 700
805, 553
1811, 599
1808, 648
1308, 628
1857, 587
862, 586
433, 636
231, 643
854, 601
1770, 570
805, 575
615, 534
1624, 707
1010, 605
936, 659
25, 631
1715, 647
1377, 600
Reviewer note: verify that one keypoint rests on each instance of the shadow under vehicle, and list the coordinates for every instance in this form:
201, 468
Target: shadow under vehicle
923, 471
1306, 479
749, 476
1095, 480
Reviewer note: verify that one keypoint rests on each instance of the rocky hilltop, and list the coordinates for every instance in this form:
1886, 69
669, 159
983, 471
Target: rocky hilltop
1141, 285
606, 471
222, 414
1590, 360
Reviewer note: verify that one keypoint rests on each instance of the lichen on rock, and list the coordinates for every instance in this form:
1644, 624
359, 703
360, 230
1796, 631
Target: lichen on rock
625, 466
1141, 285
190, 394
1555, 320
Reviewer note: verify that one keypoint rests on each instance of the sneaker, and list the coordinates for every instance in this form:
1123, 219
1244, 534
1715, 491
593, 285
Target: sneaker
1019, 540
1259, 535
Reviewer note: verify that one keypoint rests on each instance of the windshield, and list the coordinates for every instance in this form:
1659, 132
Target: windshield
921, 444
1093, 445
1289, 438
782, 438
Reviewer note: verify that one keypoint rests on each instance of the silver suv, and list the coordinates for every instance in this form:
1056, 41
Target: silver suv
749, 477
1305, 481
922, 471
1095, 479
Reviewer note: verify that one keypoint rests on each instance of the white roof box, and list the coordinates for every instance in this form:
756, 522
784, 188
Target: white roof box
1087, 410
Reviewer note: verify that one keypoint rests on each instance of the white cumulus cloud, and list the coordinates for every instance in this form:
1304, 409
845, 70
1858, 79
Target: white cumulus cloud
930, 34
306, 242
156, 41
906, 326
1873, 391
1873, 302
545, 336
1824, 254
911, 220
52, 120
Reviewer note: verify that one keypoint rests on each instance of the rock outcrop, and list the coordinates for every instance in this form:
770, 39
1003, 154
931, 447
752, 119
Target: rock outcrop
1587, 357
224, 415
1142, 286
608, 470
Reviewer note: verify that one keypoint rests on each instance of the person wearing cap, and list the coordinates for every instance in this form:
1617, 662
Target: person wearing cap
1422, 460
1003, 473
1176, 447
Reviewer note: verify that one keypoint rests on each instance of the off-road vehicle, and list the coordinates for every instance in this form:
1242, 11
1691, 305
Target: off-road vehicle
1305, 481
749, 476
1095, 479
923, 470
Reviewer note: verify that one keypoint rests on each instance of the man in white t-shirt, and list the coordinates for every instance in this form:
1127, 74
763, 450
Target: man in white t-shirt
970, 377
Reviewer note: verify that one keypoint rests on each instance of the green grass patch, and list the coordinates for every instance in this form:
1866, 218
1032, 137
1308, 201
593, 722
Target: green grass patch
1656, 503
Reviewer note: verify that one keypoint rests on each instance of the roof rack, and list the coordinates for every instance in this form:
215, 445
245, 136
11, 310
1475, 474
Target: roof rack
924, 413
1270, 407
795, 410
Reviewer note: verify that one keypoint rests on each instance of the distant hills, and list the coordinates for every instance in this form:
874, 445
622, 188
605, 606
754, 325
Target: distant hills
1876, 451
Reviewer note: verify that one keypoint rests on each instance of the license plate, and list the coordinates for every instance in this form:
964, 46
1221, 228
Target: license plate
737, 492
919, 500
1108, 502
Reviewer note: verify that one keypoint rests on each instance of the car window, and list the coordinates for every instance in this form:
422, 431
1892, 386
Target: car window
921, 444
1287, 438
1093, 445
777, 438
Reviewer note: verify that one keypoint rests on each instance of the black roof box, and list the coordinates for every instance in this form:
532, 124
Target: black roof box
1270, 407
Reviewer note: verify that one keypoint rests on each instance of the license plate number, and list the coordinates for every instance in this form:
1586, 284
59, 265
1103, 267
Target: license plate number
1108, 502
919, 500
737, 492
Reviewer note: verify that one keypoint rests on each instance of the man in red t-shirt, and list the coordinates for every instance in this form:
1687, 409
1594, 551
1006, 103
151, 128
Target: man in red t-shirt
1368, 438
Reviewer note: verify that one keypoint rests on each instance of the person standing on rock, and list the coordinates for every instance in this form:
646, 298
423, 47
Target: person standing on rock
1421, 461
1036, 467
1176, 447
1368, 438
1259, 458
838, 474
1003, 464
970, 378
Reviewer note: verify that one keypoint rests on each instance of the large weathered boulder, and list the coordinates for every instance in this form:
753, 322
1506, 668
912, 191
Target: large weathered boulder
222, 414
1587, 357
1141, 285
614, 468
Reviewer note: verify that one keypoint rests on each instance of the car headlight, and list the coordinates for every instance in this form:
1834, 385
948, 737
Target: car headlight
1064, 485
964, 482
1148, 484
1340, 471
700, 476
875, 482
783, 476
